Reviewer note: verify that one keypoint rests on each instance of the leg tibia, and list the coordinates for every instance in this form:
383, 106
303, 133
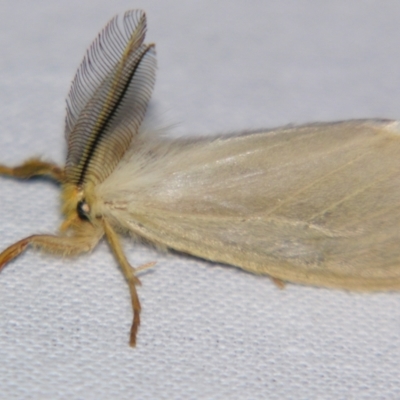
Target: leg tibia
34, 167
84, 239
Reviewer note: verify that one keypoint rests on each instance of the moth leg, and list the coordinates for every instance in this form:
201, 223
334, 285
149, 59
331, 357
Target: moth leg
279, 282
129, 274
84, 239
34, 167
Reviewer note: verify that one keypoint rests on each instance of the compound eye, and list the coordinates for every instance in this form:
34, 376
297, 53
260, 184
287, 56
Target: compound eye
83, 210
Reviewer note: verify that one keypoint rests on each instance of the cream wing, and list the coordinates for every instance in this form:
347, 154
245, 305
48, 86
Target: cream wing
316, 204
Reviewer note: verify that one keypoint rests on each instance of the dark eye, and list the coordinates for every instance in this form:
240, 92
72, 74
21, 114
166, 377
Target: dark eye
83, 210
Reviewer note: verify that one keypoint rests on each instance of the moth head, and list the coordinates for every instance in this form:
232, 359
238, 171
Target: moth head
83, 210
76, 204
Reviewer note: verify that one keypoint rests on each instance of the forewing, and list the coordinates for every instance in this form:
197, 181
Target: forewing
108, 99
317, 204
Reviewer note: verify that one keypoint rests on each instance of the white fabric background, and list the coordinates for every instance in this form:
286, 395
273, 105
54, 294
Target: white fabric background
208, 332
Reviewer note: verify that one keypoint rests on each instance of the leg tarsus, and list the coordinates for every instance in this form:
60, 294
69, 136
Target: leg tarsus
129, 274
279, 282
146, 266
13, 251
136, 303
137, 308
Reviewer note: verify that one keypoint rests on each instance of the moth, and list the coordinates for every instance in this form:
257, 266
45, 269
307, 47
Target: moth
315, 204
